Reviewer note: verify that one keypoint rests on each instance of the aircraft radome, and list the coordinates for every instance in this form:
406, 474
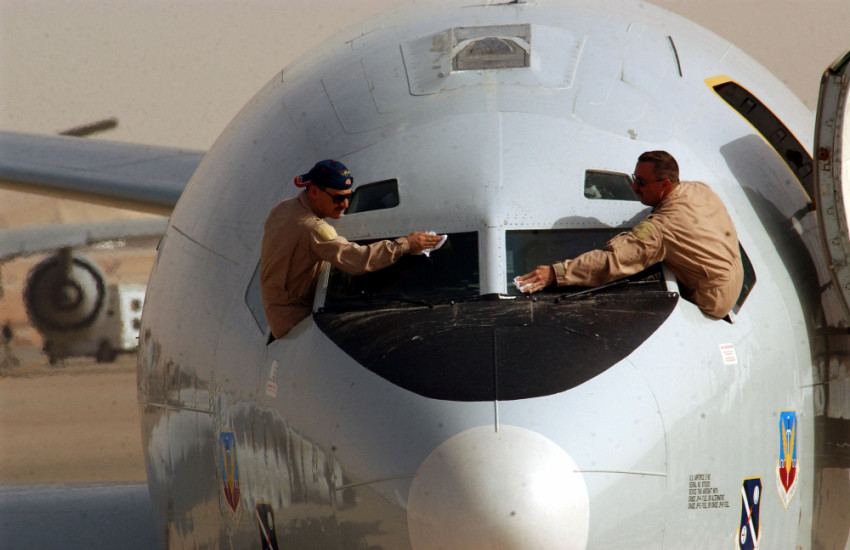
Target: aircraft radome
431, 406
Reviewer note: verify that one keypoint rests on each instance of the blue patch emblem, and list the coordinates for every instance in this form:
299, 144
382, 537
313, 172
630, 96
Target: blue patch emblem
229, 470
749, 532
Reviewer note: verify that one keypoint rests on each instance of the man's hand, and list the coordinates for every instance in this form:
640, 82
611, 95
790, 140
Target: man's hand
421, 241
538, 279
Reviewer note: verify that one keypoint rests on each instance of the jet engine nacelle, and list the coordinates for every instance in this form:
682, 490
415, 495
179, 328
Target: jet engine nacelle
65, 297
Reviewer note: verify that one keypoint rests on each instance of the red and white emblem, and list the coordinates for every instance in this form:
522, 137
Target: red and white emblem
787, 466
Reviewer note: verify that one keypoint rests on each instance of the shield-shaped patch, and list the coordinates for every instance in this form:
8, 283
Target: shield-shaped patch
787, 466
229, 470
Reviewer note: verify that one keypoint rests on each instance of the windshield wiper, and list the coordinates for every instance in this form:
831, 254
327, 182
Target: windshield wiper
372, 301
415, 301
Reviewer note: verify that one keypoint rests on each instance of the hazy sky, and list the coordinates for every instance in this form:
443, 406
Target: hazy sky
176, 72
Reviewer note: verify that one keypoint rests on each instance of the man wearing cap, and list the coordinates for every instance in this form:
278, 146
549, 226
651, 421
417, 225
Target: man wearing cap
688, 229
297, 239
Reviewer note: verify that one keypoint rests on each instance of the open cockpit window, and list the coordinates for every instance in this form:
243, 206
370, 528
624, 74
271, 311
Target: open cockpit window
610, 186
450, 273
749, 282
526, 249
795, 155
373, 196
254, 299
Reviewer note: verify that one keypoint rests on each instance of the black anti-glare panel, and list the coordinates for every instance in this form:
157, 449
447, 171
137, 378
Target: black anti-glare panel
498, 350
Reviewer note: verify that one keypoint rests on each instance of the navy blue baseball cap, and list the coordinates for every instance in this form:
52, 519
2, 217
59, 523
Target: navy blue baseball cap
327, 173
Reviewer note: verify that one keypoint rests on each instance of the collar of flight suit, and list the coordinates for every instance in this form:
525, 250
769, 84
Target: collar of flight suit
304, 198
672, 194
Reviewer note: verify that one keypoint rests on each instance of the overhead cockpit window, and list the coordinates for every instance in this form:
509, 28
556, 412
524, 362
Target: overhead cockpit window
374, 196
528, 249
611, 186
488, 48
450, 273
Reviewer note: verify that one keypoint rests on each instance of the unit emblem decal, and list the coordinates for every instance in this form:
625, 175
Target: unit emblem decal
787, 467
265, 521
749, 532
229, 470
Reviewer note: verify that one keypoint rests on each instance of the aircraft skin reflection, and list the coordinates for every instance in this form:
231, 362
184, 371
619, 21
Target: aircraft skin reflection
429, 405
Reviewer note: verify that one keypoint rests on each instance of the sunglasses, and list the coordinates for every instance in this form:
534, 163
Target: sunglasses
640, 182
338, 199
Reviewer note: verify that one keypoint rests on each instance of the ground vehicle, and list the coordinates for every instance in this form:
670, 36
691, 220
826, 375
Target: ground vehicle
114, 330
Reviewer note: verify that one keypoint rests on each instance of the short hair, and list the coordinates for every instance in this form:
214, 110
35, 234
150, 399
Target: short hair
664, 166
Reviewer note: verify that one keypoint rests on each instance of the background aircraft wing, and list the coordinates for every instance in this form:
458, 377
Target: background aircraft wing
114, 515
136, 177
39, 238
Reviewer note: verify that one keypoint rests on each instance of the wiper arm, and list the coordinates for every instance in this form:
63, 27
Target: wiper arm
491, 297
369, 302
618, 282
415, 301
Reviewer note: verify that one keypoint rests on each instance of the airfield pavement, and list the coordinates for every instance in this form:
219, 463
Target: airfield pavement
76, 421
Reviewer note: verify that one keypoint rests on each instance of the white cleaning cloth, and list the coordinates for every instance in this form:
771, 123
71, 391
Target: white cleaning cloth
519, 286
428, 251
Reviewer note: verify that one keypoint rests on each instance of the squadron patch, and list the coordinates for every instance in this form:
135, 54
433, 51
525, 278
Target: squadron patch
325, 232
787, 466
229, 471
265, 521
643, 230
749, 532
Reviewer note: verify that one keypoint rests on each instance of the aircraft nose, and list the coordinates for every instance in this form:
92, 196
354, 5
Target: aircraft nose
500, 490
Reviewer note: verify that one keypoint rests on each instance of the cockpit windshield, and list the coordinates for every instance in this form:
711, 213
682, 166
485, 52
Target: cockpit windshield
526, 249
450, 273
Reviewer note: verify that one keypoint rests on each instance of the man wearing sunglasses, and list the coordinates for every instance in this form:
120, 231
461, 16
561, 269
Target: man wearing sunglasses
688, 229
297, 239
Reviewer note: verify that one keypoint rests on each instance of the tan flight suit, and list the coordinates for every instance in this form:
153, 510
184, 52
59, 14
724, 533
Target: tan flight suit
691, 232
295, 243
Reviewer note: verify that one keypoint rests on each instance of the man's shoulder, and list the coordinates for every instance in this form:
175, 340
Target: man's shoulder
687, 192
292, 211
691, 188
302, 219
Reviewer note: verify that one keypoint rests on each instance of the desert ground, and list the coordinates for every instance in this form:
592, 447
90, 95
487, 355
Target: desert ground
70, 423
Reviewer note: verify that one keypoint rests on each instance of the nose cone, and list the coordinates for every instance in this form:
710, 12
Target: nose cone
507, 490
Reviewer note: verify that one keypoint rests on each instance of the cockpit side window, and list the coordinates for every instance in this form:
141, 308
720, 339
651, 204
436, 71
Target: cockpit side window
609, 186
795, 155
526, 249
373, 196
254, 300
749, 282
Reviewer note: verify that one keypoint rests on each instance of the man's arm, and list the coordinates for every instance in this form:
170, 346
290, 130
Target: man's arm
624, 255
358, 259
